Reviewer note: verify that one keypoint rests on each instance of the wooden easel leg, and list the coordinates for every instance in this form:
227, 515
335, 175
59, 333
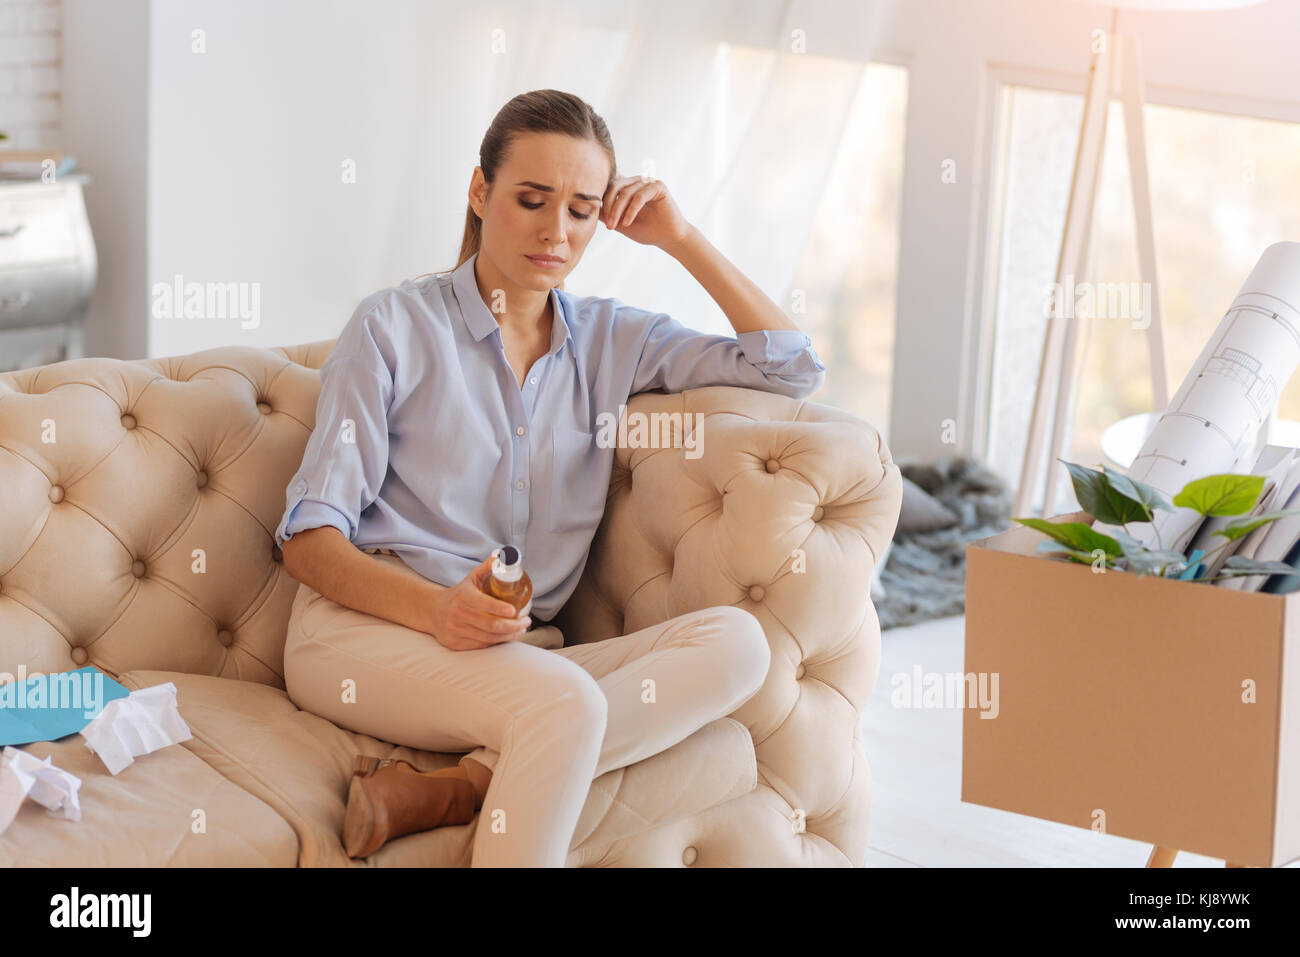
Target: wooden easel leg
1070, 371
1136, 139
1162, 857
1052, 371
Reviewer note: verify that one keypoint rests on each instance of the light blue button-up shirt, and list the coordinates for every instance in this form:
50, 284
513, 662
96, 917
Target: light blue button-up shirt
426, 444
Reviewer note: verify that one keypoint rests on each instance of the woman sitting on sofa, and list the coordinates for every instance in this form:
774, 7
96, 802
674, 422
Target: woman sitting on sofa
456, 414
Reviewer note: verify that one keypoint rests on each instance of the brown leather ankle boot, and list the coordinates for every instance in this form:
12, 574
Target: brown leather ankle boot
387, 799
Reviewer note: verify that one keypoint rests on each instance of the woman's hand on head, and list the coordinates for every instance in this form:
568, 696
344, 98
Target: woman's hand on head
465, 618
643, 210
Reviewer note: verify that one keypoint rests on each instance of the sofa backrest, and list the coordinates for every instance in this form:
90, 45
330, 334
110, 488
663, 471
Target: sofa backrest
138, 501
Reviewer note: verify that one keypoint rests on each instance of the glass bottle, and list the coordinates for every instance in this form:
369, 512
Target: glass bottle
508, 581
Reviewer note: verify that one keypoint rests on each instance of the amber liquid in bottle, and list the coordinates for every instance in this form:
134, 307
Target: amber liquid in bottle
508, 581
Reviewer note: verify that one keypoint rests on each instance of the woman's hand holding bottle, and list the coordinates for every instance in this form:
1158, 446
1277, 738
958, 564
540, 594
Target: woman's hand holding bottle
465, 618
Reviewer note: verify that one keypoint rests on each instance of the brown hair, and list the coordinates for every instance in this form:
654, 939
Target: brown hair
538, 111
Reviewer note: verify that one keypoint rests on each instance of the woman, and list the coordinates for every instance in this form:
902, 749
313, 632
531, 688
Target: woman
456, 415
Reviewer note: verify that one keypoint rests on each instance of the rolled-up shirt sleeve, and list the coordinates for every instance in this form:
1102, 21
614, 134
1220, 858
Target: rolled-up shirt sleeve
675, 358
346, 457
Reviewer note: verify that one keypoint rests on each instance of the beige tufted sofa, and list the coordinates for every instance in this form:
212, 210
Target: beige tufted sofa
139, 501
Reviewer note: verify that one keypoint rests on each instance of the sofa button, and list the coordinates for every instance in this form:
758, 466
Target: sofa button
128, 420
201, 479
688, 856
818, 512
756, 592
773, 465
137, 568
56, 493
799, 672
264, 407
277, 554
80, 656
225, 637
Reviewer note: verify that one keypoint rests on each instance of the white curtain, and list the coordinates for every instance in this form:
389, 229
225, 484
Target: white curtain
734, 104
737, 105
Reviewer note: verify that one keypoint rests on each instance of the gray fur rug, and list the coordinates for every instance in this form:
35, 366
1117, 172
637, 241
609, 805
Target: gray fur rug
925, 572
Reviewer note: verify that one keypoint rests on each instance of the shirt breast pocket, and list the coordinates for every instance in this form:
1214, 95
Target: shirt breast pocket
575, 500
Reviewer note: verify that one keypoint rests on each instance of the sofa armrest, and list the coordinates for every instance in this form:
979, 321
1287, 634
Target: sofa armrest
781, 507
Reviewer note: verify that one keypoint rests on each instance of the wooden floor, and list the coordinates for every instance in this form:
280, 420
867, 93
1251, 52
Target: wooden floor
917, 817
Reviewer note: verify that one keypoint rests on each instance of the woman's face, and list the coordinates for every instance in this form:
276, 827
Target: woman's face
544, 203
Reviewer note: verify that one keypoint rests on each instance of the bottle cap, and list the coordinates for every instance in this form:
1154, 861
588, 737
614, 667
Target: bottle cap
508, 566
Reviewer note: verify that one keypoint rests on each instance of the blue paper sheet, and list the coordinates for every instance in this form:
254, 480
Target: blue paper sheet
53, 706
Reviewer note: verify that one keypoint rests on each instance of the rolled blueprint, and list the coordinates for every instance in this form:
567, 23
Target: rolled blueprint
1214, 419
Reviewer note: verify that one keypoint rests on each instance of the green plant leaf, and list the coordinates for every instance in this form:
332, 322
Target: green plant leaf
1234, 530
1139, 492
1077, 535
1149, 561
1049, 547
1226, 494
1101, 499
1239, 565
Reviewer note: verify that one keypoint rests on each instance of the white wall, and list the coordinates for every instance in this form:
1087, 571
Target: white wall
105, 96
29, 73
248, 144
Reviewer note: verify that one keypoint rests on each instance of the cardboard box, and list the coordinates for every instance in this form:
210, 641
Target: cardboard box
1121, 703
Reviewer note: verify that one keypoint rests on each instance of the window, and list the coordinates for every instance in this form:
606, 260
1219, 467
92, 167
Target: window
842, 291
1223, 189
849, 270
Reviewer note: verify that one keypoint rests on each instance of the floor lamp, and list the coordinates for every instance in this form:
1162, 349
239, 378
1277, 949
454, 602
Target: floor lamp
1116, 66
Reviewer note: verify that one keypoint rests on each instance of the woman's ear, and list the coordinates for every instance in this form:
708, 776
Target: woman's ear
478, 191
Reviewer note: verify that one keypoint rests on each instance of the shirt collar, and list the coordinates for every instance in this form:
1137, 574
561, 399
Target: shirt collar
479, 318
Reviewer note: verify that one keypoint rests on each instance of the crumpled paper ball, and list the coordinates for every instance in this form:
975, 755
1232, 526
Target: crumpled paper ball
143, 721
24, 775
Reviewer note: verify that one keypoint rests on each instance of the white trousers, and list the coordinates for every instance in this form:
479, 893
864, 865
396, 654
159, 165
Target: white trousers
546, 719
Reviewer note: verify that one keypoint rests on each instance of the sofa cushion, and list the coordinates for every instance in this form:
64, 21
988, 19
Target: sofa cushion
710, 767
921, 512
145, 817
300, 764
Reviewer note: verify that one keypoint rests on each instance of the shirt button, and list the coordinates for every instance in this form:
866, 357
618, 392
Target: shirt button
533, 380
519, 430
301, 486
519, 484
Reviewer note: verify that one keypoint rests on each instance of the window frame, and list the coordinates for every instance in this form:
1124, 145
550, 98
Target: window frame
987, 252
958, 58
